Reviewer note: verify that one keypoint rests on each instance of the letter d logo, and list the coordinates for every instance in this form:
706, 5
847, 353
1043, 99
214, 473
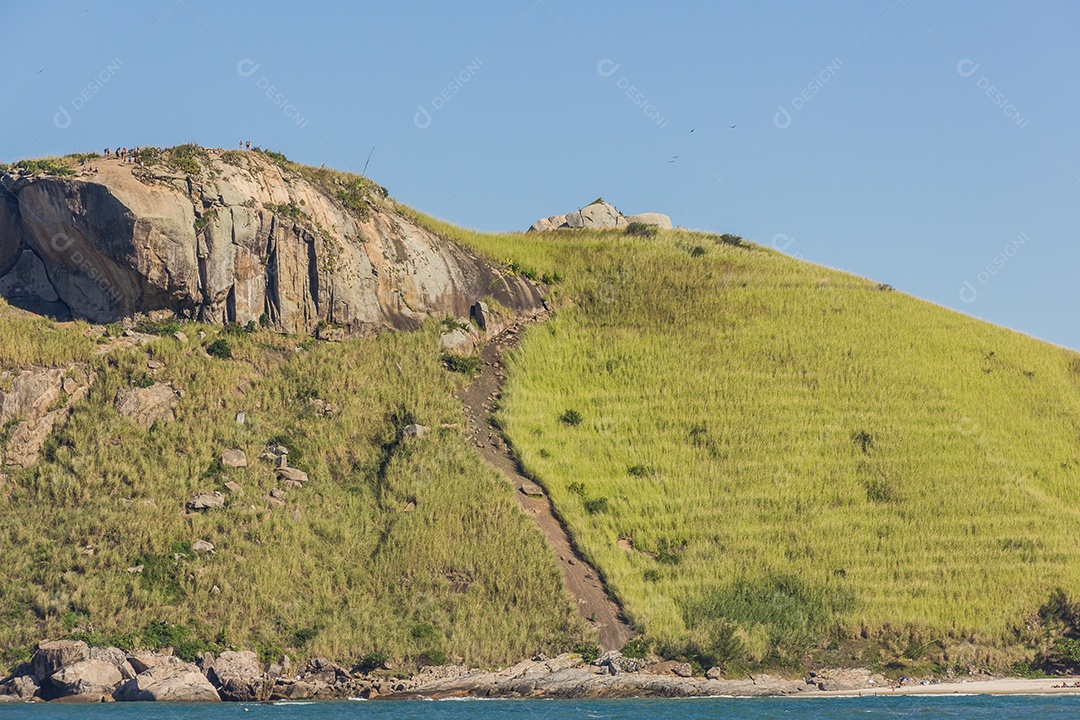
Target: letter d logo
782, 118
968, 293
62, 118
247, 68
422, 118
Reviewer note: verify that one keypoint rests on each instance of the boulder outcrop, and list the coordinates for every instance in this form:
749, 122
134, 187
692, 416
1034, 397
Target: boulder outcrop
169, 682
242, 239
598, 215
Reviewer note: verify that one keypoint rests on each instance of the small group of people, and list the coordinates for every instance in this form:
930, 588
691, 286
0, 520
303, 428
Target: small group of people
1065, 685
245, 144
128, 155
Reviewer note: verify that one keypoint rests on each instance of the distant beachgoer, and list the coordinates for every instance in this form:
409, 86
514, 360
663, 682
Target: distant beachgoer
106, 152
248, 144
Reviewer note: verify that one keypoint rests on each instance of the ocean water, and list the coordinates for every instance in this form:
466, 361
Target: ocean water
960, 707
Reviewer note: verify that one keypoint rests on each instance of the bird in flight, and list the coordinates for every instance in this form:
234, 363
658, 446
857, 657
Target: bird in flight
673, 159
731, 126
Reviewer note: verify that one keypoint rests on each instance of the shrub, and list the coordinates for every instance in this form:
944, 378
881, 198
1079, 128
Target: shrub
219, 349
636, 648
596, 505
187, 158
864, 440
156, 327
587, 652
577, 487
640, 229
641, 470
571, 417
466, 364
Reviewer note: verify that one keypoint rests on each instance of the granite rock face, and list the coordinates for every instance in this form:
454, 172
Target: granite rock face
242, 240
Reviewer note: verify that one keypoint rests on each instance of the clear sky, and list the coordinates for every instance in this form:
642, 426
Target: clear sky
931, 146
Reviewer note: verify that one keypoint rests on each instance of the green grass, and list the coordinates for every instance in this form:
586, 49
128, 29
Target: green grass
341, 571
829, 463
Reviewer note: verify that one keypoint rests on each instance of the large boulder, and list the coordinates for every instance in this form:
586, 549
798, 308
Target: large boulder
660, 220
601, 215
176, 682
57, 654
36, 400
239, 240
238, 677
95, 678
145, 406
143, 660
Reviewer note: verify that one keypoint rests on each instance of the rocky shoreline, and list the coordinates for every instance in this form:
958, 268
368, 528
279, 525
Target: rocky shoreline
69, 671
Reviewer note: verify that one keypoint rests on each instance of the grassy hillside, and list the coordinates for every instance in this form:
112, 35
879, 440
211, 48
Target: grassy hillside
767, 458
342, 570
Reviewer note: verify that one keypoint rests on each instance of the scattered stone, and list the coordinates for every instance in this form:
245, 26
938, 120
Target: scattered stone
145, 406
202, 335
202, 546
234, 458
292, 484
277, 493
215, 590
234, 488
481, 314
458, 342
178, 335
274, 502
241, 417
715, 673
136, 569
414, 431
154, 364
206, 501
683, 670
409, 507
288, 473
532, 490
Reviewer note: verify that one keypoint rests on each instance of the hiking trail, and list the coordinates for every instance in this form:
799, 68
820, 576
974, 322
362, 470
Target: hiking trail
582, 580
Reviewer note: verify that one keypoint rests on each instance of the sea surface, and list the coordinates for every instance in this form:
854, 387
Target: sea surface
960, 707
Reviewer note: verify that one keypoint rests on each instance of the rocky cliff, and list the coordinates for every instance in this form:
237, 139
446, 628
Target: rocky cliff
231, 237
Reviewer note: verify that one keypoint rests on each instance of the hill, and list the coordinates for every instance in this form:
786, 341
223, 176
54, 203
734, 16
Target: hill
774, 462
770, 463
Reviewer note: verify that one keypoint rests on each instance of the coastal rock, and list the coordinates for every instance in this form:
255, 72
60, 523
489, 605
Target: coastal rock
660, 220
234, 242
24, 687
143, 660
481, 314
847, 679
238, 677
614, 661
87, 677
174, 682
145, 406
57, 654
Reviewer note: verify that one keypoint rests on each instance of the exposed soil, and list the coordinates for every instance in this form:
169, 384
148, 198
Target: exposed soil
584, 583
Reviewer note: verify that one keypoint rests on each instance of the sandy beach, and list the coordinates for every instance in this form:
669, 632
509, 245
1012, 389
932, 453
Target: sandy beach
991, 686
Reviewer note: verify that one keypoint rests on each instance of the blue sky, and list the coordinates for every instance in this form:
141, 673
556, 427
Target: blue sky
931, 146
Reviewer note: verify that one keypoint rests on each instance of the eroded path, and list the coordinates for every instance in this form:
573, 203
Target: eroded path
582, 580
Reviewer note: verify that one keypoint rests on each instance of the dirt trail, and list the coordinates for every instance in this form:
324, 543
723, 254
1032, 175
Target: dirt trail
582, 580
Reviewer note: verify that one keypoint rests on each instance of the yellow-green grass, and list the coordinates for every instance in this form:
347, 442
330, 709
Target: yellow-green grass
342, 570
786, 446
